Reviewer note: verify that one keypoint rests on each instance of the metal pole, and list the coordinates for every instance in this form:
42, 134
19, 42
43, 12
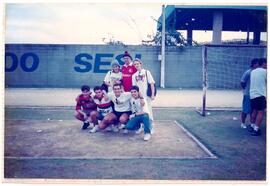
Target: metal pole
204, 84
162, 66
248, 36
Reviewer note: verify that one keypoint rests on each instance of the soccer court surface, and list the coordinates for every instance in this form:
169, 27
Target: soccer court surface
63, 139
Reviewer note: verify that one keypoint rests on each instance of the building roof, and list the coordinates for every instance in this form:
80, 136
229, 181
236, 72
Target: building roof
200, 17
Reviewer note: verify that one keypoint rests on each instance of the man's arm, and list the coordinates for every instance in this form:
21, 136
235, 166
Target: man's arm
152, 91
105, 95
79, 108
243, 85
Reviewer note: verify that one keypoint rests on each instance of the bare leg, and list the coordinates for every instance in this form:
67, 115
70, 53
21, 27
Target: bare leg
253, 116
107, 120
124, 118
94, 117
259, 118
79, 116
243, 117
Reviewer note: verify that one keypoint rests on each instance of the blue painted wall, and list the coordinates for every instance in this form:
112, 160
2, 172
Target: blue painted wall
43, 65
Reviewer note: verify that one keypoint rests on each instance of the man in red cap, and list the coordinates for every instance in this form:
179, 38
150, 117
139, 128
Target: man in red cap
128, 69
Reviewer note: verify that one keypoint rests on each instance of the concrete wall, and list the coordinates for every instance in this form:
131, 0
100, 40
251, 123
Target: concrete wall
41, 65
69, 65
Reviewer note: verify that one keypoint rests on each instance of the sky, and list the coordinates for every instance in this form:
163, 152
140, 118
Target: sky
88, 23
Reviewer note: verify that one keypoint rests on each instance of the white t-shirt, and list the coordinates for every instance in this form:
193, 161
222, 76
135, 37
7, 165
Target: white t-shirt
136, 106
111, 78
139, 79
257, 83
121, 103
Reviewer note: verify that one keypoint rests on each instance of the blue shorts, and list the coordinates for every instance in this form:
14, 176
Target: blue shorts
100, 116
246, 106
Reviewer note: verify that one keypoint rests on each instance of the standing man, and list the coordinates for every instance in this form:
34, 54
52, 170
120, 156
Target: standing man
258, 95
128, 69
245, 84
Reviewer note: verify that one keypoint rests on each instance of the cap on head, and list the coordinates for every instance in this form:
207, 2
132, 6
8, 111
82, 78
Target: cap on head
139, 60
114, 63
126, 54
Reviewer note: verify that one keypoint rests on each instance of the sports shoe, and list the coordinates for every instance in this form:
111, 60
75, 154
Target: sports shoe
91, 125
249, 128
93, 130
121, 126
138, 131
152, 130
243, 126
125, 131
85, 125
109, 128
115, 128
147, 137
255, 132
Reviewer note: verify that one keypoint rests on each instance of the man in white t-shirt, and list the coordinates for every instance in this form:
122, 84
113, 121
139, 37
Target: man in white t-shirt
258, 95
122, 107
140, 113
245, 84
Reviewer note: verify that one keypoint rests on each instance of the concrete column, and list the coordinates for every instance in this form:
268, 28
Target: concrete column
256, 37
217, 27
189, 36
247, 36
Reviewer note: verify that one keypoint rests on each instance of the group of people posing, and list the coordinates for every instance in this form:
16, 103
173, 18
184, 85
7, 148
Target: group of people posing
121, 103
253, 82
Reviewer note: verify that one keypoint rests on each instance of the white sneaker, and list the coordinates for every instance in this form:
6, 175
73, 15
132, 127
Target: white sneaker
125, 131
243, 126
121, 126
91, 125
147, 137
109, 128
139, 130
152, 130
115, 128
95, 129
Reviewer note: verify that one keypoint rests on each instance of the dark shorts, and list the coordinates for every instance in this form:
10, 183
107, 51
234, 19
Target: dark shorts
258, 103
119, 114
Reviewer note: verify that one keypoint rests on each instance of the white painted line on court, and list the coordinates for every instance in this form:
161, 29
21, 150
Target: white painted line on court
196, 140
105, 158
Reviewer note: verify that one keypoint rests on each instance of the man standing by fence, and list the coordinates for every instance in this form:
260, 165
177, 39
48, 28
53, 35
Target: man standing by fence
245, 84
258, 95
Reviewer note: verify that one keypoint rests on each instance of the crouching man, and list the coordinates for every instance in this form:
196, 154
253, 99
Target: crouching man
104, 112
85, 107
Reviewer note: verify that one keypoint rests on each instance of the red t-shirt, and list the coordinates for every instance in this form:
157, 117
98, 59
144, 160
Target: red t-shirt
85, 103
127, 72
